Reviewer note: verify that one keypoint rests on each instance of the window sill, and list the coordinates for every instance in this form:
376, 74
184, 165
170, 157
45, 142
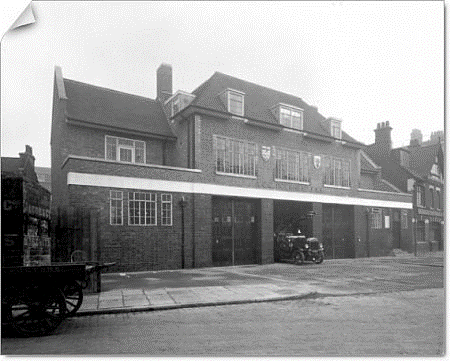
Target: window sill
158, 166
237, 175
338, 187
292, 181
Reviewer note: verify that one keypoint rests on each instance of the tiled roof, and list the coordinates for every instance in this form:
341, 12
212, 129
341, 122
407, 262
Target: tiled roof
111, 108
422, 158
368, 164
258, 102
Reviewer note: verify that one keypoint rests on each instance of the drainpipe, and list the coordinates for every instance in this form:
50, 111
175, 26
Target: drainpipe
182, 205
414, 220
368, 232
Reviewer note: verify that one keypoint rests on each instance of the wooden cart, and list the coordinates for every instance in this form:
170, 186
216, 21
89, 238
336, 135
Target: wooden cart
35, 299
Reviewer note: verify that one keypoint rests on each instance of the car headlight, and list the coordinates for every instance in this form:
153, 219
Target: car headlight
306, 246
320, 245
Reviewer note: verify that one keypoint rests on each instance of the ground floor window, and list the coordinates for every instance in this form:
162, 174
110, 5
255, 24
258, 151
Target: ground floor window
404, 219
166, 209
376, 218
141, 209
116, 207
420, 231
144, 208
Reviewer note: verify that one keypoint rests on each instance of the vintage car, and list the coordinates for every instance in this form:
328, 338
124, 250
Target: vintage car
298, 248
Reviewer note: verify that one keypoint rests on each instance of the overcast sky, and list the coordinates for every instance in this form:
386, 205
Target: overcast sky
362, 62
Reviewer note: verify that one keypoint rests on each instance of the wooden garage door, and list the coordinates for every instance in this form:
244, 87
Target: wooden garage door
338, 230
234, 231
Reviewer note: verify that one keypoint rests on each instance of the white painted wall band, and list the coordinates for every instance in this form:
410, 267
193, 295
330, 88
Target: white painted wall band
100, 180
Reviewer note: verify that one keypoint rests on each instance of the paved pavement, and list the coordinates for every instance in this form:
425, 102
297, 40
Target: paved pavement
164, 290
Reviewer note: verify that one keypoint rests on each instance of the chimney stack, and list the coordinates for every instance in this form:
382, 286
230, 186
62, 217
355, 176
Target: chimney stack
416, 138
164, 82
383, 137
27, 155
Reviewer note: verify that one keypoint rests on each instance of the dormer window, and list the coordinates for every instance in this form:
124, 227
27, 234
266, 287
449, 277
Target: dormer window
335, 128
404, 158
178, 102
235, 102
289, 116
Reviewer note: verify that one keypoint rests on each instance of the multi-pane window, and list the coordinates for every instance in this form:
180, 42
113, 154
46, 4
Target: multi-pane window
420, 194
335, 129
292, 118
431, 197
116, 207
235, 103
292, 165
337, 172
141, 209
235, 156
438, 198
166, 209
125, 150
376, 218
404, 219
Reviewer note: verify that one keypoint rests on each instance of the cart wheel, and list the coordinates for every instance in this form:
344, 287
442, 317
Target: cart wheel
37, 313
73, 293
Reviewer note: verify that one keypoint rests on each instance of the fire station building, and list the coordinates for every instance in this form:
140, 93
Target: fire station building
207, 178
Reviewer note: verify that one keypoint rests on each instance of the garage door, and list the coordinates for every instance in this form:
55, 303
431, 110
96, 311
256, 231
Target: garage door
234, 232
338, 231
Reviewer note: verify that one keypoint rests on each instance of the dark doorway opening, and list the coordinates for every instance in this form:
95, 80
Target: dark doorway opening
290, 216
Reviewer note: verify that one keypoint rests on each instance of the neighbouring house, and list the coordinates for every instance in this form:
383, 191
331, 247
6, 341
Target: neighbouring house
44, 175
205, 178
418, 169
25, 213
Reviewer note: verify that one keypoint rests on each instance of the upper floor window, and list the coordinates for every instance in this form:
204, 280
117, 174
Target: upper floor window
431, 197
44, 177
179, 101
420, 196
404, 158
116, 207
335, 128
438, 198
436, 172
125, 150
236, 102
235, 156
291, 117
292, 165
337, 172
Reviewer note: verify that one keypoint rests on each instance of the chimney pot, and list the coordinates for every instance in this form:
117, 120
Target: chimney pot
387, 123
378, 125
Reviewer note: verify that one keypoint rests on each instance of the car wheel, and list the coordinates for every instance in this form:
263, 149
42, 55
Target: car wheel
299, 257
319, 258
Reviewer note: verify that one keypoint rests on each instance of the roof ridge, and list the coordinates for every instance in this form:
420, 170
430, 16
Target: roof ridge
110, 90
263, 86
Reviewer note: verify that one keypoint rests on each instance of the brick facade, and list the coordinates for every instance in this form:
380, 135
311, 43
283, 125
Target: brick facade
183, 165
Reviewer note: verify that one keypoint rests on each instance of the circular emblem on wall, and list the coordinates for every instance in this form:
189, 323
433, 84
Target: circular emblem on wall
265, 153
317, 161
